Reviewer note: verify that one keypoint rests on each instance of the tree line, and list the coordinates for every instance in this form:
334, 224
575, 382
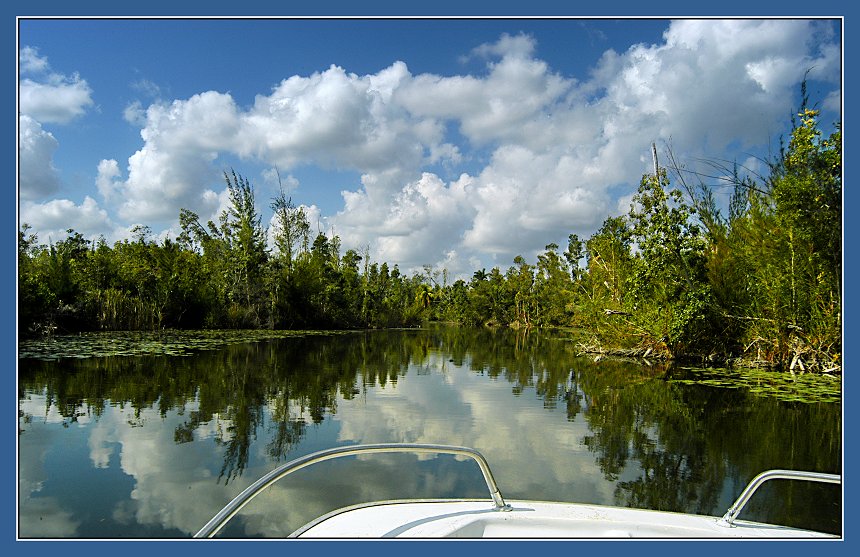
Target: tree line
217, 275
676, 276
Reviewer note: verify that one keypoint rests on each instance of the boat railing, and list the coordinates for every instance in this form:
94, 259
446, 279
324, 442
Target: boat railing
736, 508
233, 507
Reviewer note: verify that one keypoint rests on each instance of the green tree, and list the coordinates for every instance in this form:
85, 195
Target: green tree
234, 257
521, 281
670, 296
246, 241
786, 237
292, 230
574, 253
35, 298
553, 288
609, 263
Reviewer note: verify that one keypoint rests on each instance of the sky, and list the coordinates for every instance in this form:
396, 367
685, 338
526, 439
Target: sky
456, 143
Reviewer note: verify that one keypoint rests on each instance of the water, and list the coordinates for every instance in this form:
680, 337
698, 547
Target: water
150, 446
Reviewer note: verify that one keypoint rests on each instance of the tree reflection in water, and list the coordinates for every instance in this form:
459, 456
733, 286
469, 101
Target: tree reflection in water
661, 444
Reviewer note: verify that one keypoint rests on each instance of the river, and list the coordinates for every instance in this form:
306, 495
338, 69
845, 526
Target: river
151, 442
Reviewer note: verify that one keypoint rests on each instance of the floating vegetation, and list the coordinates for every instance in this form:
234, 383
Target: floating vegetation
143, 343
807, 387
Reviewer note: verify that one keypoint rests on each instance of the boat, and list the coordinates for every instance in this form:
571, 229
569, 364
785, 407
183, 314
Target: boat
496, 517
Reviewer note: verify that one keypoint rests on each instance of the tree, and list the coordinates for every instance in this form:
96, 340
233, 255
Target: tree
521, 281
425, 296
35, 299
609, 263
234, 257
669, 291
291, 229
787, 238
553, 288
807, 195
246, 240
573, 255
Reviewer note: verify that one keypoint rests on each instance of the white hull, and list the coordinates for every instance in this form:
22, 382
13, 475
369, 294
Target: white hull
530, 519
498, 518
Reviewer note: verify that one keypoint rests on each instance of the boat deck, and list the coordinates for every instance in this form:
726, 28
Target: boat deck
529, 519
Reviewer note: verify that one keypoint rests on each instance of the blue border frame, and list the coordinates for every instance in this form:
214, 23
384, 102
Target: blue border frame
8, 241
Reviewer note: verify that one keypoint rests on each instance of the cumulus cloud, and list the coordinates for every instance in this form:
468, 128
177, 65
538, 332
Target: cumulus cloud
55, 102
564, 146
106, 181
409, 230
273, 178
340, 120
29, 61
465, 169
135, 114
174, 167
50, 97
332, 119
51, 219
38, 176
521, 45
517, 92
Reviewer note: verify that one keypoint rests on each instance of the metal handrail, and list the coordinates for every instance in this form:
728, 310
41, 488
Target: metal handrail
233, 507
736, 508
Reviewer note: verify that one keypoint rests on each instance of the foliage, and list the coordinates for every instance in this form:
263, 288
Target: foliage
775, 267
669, 294
215, 276
672, 278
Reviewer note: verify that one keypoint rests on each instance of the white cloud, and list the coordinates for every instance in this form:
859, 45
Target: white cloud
337, 120
50, 97
276, 182
106, 181
57, 103
518, 92
135, 114
51, 219
46, 97
521, 46
29, 61
38, 178
418, 227
563, 146
174, 167
539, 155
332, 118
147, 88
833, 101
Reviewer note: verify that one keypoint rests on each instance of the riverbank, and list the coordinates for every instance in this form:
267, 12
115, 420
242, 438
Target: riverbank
799, 359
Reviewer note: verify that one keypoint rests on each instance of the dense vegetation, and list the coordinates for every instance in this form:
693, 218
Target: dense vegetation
674, 277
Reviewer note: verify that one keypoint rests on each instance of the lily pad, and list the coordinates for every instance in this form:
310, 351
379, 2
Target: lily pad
806, 388
138, 343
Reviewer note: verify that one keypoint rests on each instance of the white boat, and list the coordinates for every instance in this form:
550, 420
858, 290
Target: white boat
497, 518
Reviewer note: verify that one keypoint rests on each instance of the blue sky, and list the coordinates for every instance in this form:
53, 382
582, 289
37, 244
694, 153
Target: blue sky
457, 143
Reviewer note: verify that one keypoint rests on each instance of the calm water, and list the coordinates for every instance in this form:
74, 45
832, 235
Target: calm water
153, 446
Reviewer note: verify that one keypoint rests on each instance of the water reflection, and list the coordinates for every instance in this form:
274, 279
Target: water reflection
153, 446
